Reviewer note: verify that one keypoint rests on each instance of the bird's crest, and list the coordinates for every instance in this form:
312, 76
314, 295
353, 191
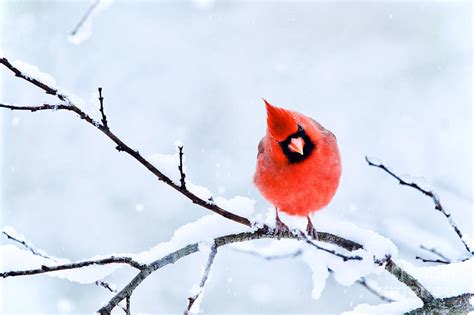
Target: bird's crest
280, 122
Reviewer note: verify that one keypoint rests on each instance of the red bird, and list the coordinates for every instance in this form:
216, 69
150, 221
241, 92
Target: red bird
298, 165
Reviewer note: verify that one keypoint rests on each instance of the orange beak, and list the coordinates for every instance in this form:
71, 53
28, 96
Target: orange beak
296, 145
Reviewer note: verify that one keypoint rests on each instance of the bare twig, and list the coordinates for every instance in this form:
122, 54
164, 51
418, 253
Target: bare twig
204, 278
331, 251
436, 252
181, 169
27, 246
35, 108
76, 265
101, 101
85, 17
106, 285
127, 305
439, 261
429, 193
363, 282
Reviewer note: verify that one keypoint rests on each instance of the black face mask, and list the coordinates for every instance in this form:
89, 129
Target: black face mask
295, 157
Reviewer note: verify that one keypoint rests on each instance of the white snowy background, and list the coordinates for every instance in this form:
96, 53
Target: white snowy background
390, 79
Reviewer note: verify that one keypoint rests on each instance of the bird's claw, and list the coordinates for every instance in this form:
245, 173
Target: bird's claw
281, 228
311, 231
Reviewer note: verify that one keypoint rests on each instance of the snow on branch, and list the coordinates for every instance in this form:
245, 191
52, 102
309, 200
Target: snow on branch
11, 234
429, 193
368, 251
35, 77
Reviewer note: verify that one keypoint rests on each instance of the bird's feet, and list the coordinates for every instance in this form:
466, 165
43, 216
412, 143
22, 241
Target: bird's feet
280, 228
311, 231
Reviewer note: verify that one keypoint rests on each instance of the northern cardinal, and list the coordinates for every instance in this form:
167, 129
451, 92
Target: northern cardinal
298, 165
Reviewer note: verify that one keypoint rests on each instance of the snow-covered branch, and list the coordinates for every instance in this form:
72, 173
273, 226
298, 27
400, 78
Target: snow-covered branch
10, 234
434, 197
193, 248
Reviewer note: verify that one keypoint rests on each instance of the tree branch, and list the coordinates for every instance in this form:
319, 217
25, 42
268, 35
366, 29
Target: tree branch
101, 101
76, 265
439, 261
436, 252
85, 17
218, 242
363, 282
429, 193
204, 278
409, 281
27, 246
41, 85
460, 304
181, 169
106, 285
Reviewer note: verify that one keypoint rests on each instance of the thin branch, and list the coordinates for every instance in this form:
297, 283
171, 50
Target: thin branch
35, 108
363, 282
37, 253
181, 169
41, 85
204, 278
331, 251
439, 261
85, 17
429, 193
127, 305
27, 246
106, 285
101, 101
76, 265
436, 252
